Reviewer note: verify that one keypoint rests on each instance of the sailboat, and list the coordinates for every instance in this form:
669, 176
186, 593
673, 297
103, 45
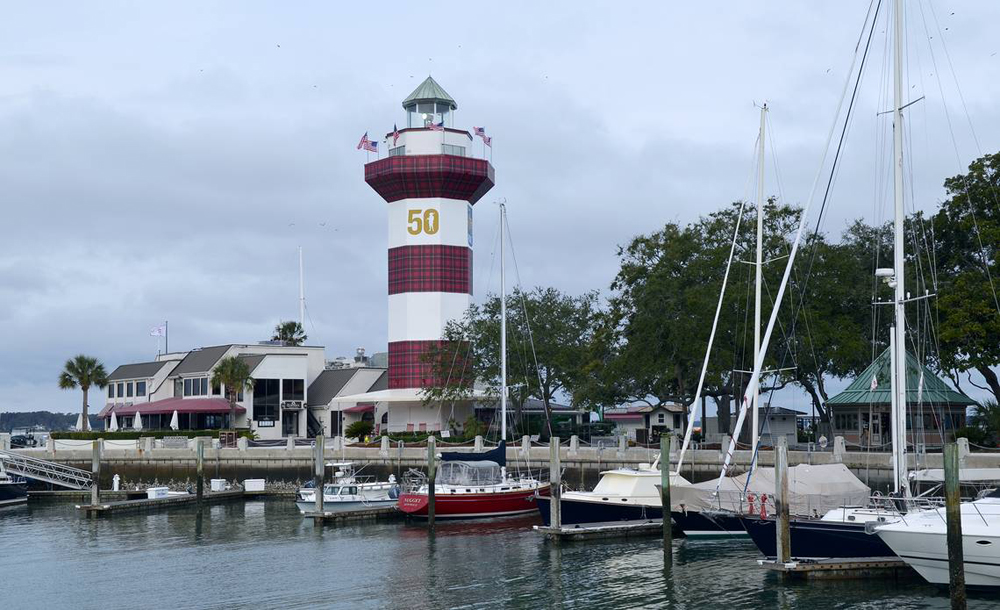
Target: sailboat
477, 485
842, 532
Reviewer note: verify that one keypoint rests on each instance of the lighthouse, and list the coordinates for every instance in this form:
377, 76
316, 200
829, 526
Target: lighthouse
430, 180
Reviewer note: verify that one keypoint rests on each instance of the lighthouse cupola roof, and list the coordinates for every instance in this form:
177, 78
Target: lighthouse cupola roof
430, 91
429, 104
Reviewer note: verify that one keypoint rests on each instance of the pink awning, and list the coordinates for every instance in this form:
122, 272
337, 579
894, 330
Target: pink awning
362, 408
167, 406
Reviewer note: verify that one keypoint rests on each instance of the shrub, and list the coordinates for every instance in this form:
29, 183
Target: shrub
359, 429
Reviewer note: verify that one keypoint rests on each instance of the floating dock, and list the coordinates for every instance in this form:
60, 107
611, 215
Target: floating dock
382, 513
110, 508
604, 529
836, 568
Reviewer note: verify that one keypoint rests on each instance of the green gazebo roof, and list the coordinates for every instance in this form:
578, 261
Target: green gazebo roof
430, 91
935, 391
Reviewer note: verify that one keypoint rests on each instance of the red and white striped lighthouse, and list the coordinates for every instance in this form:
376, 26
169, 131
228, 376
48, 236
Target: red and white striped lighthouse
430, 181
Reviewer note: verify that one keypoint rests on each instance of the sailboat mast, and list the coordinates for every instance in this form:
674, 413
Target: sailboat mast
755, 427
503, 331
899, 389
302, 293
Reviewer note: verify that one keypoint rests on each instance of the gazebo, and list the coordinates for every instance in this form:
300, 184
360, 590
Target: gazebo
861, 412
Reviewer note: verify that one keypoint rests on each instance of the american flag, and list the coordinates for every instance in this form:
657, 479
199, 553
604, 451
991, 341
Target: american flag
395, 134
364, 140
487, 140
479, 131
874, 384
436, 126
371, 146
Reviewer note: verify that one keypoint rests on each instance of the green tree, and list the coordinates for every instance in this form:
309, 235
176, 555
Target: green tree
233, 373
83, 372
289, 332
966, 233
548, 337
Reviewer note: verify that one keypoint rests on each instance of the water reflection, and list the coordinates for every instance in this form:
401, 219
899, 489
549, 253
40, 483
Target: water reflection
264, 554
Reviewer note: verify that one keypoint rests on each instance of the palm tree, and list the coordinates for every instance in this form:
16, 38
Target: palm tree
291, 333
83, 371
986, 416
233, 373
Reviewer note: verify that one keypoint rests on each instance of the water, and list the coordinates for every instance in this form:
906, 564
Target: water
262, 554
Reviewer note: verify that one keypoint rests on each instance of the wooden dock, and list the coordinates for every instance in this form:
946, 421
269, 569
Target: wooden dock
605, 529
110, 508
836, 568
382, 513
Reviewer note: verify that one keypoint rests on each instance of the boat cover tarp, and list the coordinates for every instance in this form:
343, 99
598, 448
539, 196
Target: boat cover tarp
812, 490
497, 454
966, 475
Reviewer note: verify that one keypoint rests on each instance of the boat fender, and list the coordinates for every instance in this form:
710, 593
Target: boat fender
763, 506
751, 498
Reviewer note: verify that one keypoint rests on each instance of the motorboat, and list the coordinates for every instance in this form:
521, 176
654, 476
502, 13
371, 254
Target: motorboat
921, 541
12, 491
472, 486
622, 494
350, 491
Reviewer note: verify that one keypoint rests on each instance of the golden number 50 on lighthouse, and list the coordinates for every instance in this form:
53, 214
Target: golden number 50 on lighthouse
422, 221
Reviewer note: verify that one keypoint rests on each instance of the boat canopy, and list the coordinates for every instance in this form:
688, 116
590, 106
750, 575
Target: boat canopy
470, 473
812, 489
497, 455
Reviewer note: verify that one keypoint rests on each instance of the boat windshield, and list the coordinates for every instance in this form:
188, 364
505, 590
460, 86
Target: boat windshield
470, 473
349, 491
331, 490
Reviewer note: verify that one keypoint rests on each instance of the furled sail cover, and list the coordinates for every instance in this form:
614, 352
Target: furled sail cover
812, 490
498, 455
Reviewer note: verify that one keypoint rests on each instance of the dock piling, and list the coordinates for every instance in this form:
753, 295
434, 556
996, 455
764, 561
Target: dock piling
319, 472
781, 499
431, 476
953, 512
199, 447
668, 534
95, 487
555, 484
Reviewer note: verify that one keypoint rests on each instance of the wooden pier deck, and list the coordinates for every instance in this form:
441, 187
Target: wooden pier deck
605, 529
382, 513
836, 568
110, 508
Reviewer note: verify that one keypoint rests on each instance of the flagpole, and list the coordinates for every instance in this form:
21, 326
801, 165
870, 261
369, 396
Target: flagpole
166, 337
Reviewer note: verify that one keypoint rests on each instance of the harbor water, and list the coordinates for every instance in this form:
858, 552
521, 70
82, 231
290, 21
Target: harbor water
263, 554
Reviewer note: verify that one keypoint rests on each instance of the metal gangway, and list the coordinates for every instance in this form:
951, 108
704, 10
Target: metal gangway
44, 470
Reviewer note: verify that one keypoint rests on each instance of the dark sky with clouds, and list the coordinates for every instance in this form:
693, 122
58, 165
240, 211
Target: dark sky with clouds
165, 161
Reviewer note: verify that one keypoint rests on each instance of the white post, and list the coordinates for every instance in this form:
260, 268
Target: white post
384, 449
839, 449
526, 446
478, 448
622, 445
574, 445
899, 388
754, 431
5, 441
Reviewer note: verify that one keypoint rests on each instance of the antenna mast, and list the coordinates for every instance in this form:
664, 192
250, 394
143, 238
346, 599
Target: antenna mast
302, 294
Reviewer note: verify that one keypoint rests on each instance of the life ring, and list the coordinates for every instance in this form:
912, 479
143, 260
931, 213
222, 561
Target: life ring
763, 506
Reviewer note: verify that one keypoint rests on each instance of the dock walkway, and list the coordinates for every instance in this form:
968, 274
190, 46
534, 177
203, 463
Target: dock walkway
108, 508
604, 529
835, 568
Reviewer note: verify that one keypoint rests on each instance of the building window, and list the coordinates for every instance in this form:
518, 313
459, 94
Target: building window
216, 389
265, 399
129, 388
398, 151
660, 418
293, 389
111, 390
204, 386
121, 390
140, 388
187, 387
449, 149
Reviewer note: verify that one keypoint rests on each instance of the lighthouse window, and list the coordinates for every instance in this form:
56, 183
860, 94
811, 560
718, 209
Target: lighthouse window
449, 149
398, 151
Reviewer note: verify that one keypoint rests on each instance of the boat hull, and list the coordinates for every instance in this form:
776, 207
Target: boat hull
576, 511
927, 553
344, 507
472, 505
13, 493
817, 539
707, 524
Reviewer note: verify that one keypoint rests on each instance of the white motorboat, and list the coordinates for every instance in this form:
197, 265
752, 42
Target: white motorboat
921, 541
349, 491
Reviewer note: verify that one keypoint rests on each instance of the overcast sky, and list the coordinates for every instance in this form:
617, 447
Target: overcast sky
164, 162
